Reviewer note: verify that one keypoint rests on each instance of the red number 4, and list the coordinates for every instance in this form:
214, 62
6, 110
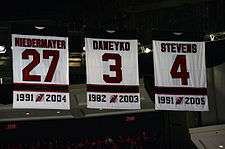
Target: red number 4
180, 61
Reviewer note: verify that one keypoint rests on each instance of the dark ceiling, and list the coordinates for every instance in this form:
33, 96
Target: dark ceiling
137, 17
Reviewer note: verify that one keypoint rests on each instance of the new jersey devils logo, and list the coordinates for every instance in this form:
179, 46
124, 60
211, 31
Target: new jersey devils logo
113, 99
39, 97
179, 100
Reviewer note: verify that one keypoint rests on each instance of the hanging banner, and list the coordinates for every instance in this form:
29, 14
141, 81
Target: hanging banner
112, 74
180, 76
40, 62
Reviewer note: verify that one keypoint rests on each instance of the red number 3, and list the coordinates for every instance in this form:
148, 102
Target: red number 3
180, 61
117, 68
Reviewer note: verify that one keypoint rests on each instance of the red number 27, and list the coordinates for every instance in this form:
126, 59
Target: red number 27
36, 60
180, 61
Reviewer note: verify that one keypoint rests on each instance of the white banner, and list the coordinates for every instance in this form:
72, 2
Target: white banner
180, 74
40, 100
112, 69
40, 61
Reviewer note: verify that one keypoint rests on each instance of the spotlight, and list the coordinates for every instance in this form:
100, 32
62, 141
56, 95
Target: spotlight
147, 50
212, 37
39, 27
110, 31
177, 33
2, 49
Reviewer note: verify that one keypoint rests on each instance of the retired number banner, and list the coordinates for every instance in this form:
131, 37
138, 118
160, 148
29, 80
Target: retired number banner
112, 74
40, 72
180, 76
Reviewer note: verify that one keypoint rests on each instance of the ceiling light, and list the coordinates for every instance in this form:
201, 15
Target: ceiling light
177, 33
2, 49
27, 113
110, 31
220, 146
39, 27
147, 50
212, 37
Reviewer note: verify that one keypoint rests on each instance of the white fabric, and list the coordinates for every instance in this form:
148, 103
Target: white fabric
50, 100
119, 102
61, 75
163, 62
195, 63
188, 102
96, 68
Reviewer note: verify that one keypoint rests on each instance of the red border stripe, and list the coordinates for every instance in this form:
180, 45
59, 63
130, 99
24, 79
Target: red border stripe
113, 88
57, 91
39, 84
180, 90
40, 87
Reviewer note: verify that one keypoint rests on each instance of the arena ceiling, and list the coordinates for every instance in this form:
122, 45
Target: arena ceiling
136, 17
77, 19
